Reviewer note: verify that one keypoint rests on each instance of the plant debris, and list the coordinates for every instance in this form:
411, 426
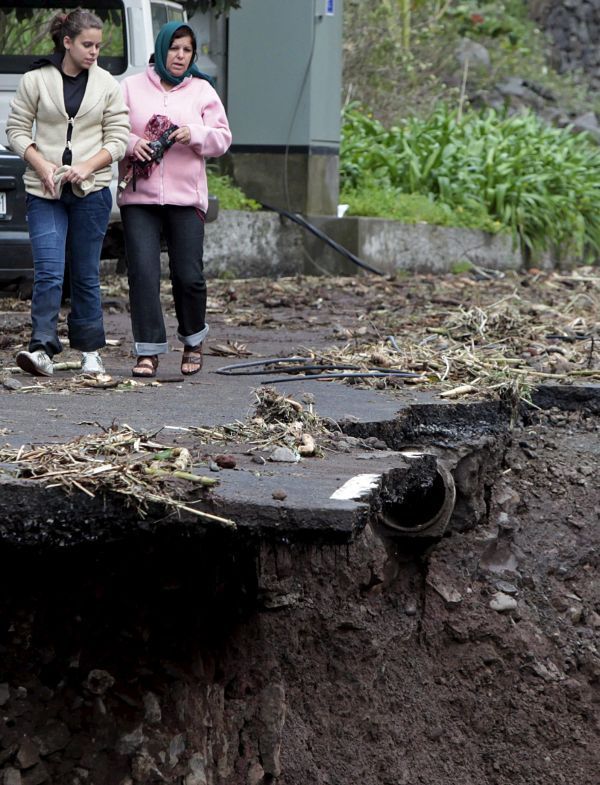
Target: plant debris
486, 333
119, 460
277, 420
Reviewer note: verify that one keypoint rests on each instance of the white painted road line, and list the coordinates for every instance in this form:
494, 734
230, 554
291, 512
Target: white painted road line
357, 486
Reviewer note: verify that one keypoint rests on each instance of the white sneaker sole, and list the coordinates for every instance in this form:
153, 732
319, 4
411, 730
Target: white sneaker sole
26, 364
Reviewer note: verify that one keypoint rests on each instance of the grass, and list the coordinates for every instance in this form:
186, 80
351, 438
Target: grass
376, 201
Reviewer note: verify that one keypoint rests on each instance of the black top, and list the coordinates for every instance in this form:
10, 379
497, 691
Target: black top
73, 91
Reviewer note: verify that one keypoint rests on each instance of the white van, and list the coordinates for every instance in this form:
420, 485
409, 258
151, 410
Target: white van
130, 28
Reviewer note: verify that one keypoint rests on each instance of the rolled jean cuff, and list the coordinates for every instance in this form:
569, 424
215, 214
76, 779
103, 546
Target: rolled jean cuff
47, 343
145, 349
195, 339
86, 337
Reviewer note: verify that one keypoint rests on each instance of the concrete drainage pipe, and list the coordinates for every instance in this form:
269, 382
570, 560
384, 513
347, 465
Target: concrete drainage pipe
418, 501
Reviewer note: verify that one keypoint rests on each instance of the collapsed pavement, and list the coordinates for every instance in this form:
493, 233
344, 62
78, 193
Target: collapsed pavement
344, 630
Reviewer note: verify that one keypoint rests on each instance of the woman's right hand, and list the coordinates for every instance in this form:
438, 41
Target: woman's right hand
142, 150
45, 171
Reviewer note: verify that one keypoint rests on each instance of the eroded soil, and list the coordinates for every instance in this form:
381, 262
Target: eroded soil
204, 661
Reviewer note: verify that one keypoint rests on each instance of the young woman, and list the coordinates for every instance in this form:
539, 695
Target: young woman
170, 196
81, 127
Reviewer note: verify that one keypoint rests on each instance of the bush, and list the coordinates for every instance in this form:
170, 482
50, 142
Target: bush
230, 196
541, 182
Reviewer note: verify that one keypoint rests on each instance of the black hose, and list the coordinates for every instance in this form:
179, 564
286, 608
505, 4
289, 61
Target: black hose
353, 375
297, 366
234, 370
322, 236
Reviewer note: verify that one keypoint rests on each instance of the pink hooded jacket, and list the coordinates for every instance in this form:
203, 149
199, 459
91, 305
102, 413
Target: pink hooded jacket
180, 178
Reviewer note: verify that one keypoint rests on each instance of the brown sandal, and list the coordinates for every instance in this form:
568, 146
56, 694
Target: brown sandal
192, 355
145, 366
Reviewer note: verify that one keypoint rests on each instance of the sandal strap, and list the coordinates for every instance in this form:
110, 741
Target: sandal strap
147, 361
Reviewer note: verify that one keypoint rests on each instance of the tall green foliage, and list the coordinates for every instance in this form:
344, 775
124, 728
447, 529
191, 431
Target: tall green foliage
542, 182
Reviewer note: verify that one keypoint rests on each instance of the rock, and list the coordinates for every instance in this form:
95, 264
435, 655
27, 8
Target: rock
593, 619
259, 459
197, 775
502, 602
213, 466
575, 613
272, 710
279, 495
225, 461
308, 445
342, 446
8, 753
10, 383
506, 587
28, 754
98, 681
506, 497
144, 769
36, 775
4, 694
284, 455
447, 593
12, 777
255, 775
499, 557
152, 710
131, 742
348, 419
587, 122
273, 601
475, 54
54, 736
176, 749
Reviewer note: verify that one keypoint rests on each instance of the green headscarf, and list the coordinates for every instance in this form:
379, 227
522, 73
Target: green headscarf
161, 49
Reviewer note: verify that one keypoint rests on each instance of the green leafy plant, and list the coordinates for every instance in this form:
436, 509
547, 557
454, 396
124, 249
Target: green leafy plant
541, 182
230, 196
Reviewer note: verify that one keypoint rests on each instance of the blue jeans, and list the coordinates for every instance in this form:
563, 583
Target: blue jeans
86, 220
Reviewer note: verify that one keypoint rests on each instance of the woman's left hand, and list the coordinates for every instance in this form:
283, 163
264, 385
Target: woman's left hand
183, 135
77, 174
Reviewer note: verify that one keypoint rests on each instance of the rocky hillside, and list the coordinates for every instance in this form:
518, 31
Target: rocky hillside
518, 53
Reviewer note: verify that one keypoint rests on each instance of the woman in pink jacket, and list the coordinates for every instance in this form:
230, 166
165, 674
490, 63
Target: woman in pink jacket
167, 193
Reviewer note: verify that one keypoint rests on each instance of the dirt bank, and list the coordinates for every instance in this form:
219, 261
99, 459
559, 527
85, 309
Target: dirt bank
208, 661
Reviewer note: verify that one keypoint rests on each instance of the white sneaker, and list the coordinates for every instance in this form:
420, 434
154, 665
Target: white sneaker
91, 362
37, 363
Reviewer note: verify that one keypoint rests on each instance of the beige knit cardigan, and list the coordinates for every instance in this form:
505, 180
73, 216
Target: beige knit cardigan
101, 122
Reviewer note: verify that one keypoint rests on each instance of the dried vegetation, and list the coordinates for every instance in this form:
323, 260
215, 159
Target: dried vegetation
480, 332
118, 460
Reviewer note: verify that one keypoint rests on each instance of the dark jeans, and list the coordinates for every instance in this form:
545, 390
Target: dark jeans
183, 230
86, 220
